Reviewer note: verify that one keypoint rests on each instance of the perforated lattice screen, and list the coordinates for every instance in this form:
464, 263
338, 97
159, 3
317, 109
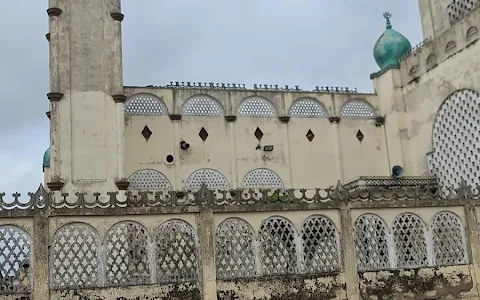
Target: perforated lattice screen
144, 104
202, 106
148, 180
409, 240
15, 265
262, 178
458, 8
431, 60
371, 244
450, 46
212, 179
448, 240
256, 107
472, 32
307, 108
357, 109
456, 140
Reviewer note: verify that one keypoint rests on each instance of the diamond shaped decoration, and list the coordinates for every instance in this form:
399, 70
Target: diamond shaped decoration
146, 132
203, 134
258, 134
310, 135
360, 136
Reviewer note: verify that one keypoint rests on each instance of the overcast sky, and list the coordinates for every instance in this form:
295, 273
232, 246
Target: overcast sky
294, 42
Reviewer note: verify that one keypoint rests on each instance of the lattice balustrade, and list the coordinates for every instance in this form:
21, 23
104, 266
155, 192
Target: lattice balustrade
456, 141
202, 106
320, 245
126, 248
256, 107
149, 180
145, 104
307, 108
357, 109
277, 238
448, 240
371, 243
235, 249
15, 265
176, 252
74, 257
262, 178
409, 241
211, 178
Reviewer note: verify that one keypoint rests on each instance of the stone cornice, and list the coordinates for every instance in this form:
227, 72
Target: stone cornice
54, 96
119, 98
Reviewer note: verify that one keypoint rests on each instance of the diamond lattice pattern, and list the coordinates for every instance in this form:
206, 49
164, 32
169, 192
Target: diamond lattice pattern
176, 252
212, 179
307, 108
74, 257
15, 266
409, 240
448, 240
126, 251
256, 107
202, 106
149, 180
371, 244
357, 109
320, 245
278, 247
235, 249
262, 178
144, 104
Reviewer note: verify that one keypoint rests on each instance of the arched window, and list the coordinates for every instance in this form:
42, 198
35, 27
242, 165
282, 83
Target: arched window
74, 257
451, 46
176, 252
201, 105
15, 262
235, 240
357, 109
145, 104
256, 107
320, 245
212, 179
431, 60
126, 248
414, 70
371, 244
409, 241
262, 178
307, 108
278, 246
448, 239
148, 180
455, 139
472, 32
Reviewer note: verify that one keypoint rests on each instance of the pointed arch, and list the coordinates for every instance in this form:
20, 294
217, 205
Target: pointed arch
371, 246
448, 235
256, 106
409, 241
262, 178
202, 105
307, 108
212, 179
146, 105
148, 179
357, 109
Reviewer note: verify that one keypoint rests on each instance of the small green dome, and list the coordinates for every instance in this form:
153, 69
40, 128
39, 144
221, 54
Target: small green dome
390, 47
46, 158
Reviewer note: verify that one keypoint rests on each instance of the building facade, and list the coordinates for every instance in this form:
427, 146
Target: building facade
222, 191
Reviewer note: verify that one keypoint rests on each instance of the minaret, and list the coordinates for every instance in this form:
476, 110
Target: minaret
86, 95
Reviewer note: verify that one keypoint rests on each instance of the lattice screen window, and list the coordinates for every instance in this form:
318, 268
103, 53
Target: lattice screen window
126, 247
15, 264
235, 249
307, 108
74, 257
357, 109
262, 178
176, 252
371, 245
202, 106
145, 104
456, 141
414, 70
148, 180
212, 179
459, 8
448, 240
256, 107
409, 241
277, 238
320, 245
451, 46
472, 32
431, 60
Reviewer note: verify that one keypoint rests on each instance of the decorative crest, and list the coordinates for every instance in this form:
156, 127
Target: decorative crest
387, 16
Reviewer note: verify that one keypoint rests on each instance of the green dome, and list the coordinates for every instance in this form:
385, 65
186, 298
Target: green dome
390, 47
46, 158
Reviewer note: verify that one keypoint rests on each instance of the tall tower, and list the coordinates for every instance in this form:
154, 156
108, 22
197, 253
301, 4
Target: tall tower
434, 15
86, 95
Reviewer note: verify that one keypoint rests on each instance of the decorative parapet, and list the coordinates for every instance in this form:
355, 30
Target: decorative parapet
363, 182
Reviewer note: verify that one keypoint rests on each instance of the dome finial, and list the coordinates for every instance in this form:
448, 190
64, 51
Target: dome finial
387, 16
